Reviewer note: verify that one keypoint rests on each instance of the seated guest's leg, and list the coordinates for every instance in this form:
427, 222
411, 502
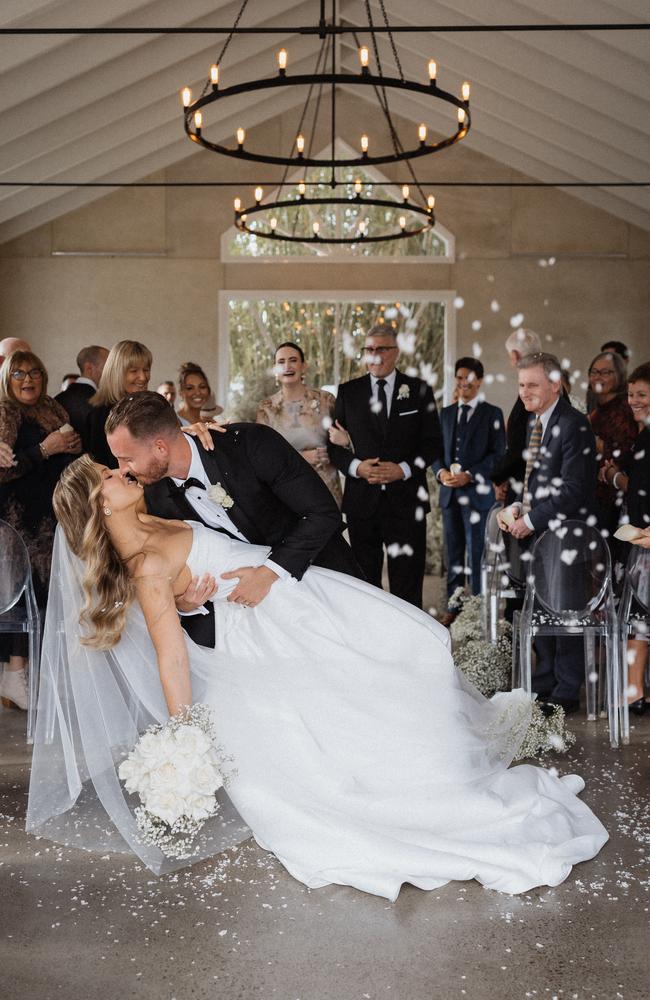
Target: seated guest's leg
543, 679
569, 667
474, 542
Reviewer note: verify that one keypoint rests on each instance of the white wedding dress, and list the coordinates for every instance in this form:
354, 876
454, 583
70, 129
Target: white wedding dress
362, 756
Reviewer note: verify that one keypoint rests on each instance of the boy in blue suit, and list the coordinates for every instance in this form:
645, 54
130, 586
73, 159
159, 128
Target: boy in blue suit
474, 441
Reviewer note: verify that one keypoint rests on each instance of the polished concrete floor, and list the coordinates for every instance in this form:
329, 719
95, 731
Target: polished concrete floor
80, 926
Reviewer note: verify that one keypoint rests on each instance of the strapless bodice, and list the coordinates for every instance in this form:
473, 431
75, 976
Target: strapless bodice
214, 552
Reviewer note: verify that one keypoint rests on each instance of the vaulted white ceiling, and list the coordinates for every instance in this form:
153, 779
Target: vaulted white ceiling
555, 106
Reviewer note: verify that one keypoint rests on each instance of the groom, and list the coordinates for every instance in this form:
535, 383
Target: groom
264, 493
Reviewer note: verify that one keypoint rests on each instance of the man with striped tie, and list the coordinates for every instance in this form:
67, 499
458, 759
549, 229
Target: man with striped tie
559, 483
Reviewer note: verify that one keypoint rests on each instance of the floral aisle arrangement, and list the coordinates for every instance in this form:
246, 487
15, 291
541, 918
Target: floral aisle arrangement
176, 769
488, 667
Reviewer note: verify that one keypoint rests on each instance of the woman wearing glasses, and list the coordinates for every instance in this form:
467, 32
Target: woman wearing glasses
35, 429
614, 426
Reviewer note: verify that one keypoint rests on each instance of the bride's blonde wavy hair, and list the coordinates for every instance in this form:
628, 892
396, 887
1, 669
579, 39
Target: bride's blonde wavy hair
108, 588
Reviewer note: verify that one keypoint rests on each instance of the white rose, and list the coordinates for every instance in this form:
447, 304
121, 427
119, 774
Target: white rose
192, 740
218, 495
200, 806
206, 779
166, 805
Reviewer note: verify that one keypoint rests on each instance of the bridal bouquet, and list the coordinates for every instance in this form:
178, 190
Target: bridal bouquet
176, 769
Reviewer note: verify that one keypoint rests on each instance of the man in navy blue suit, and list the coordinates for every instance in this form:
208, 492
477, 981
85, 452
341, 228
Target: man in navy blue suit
474, 441
559, 483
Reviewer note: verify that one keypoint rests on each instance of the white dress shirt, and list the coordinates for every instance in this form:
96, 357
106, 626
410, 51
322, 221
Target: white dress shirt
82, 380
389, 389
213, 513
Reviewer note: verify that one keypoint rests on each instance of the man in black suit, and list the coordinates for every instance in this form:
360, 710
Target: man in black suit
75, 399
509, 471
273, 495
395, 432
559, 483
474, 440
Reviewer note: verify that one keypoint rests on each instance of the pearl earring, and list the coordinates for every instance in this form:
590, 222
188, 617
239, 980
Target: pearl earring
108, 511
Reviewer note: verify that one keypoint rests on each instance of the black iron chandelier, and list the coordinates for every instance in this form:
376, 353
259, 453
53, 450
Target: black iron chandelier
260, 218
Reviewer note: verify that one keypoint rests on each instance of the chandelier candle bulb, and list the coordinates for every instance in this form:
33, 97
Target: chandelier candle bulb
422, 134
237, 204
241, 135
214, 75
431, 202
402, 221
461, 116
259, 194
364, 56
433, 70
300, 144
186, 97
273, 223
282, 61
198, 120
465, 91
302, 189
315, 226
357, 187
364, 144
405, 192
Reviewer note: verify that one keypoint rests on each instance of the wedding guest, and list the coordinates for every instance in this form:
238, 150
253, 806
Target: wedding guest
510, 470
302, 415
474, 440
68, 379
614, 426
75, 400
31, 425
168, 390
127, 370
559, 481
11, 344
195, 391
631, 477
393, 424
610, 347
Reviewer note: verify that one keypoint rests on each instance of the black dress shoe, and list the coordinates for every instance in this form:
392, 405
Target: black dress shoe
545, 708
639, 706
570, 705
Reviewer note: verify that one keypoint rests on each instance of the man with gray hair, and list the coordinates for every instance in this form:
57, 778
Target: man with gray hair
559, 482
510, 469
75, 400
11, 344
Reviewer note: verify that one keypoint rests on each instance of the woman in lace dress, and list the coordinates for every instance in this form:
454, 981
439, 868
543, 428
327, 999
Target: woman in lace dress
303, 416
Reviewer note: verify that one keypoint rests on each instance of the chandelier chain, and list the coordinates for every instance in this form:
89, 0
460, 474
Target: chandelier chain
227, 42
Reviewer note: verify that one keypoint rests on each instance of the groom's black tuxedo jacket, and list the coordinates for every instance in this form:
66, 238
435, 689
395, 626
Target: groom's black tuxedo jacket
413, 435
279, 500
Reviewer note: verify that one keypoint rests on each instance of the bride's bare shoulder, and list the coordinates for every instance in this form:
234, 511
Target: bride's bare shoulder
165, 553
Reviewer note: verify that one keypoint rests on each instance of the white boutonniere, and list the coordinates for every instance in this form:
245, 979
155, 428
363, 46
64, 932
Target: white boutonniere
403, 392
314, 404
219, 495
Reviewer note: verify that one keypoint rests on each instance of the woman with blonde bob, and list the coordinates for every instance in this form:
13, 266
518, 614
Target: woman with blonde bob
127, 370
360, 755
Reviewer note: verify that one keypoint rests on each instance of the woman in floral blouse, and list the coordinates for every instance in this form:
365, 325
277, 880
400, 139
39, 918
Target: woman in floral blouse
302, 415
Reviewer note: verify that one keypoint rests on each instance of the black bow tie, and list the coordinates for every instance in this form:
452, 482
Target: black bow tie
183, 487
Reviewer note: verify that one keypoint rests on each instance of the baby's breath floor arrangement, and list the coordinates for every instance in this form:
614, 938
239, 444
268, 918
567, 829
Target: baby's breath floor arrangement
488, 667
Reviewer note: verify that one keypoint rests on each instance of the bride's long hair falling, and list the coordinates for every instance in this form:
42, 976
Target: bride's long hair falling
107, 585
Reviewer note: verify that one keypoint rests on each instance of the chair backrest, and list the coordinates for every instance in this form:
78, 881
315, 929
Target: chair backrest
571, 570
638, 575
515, 559
15, 570
493, 543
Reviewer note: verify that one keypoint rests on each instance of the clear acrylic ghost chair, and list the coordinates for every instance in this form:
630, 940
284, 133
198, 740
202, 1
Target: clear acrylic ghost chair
634, 610
16, 616
504, 568
569, 593
492, 548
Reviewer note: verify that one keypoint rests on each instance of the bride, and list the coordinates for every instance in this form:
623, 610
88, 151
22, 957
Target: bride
362, 756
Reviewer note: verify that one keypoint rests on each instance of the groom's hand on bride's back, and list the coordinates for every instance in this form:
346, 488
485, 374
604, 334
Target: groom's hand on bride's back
199, 590
254, 584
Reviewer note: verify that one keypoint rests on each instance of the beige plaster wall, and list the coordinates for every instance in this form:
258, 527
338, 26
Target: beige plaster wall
577, 274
